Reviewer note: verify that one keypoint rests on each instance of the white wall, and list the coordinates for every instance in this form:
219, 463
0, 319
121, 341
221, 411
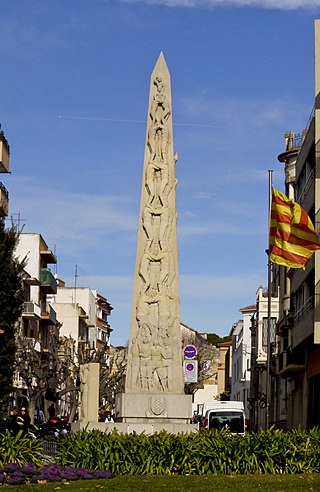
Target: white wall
68, 315
29, 247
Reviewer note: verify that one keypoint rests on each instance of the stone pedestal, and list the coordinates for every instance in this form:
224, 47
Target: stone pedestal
136, 427
154, 408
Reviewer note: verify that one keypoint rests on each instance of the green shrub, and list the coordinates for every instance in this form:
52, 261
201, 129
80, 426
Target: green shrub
20, 449
212, 453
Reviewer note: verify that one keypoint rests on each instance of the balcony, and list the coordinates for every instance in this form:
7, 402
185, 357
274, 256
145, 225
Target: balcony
304, 321
285, 323
4, 199
290, 362
48, 256
305, 310
49, 316
28, 280
4, 154
309, 182
47, 281
31, 310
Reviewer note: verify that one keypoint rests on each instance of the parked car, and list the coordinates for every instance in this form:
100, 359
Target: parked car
227, 415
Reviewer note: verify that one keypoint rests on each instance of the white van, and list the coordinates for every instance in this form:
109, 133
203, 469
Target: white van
227, 415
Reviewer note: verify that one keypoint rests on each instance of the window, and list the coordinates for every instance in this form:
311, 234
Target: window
265, 333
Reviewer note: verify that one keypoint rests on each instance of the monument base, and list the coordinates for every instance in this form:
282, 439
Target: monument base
137, 428
153, 408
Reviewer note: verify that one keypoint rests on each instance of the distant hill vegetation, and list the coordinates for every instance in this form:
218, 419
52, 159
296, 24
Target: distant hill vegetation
214, 339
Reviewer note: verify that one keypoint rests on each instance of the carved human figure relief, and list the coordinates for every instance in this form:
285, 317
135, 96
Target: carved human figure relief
144, 350
157, 179
160, 108
84, 378
158, 143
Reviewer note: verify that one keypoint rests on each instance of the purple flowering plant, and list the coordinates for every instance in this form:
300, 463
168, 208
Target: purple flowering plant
16, 478
30, 473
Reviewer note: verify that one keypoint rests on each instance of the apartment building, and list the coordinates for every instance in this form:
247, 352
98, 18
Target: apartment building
298, 362
4, 168
38, 316
76, 310
83, 314
37, 326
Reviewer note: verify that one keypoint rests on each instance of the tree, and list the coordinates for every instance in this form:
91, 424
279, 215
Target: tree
112, 380
11, 301
56, 374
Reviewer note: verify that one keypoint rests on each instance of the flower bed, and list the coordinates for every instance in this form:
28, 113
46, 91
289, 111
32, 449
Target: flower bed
29, 473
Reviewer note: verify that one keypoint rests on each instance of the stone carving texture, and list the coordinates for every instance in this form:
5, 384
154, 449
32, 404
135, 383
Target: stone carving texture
154, 359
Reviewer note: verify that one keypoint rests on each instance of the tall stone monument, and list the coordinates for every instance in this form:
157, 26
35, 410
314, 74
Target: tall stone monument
154, 391
89, 391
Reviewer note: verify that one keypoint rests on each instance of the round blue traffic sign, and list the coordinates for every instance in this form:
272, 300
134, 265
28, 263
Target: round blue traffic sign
190, 367
190, 352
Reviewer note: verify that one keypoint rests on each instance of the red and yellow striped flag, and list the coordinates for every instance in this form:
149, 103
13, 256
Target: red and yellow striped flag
292, 238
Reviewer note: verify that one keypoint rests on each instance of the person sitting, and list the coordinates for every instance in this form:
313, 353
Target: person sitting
22, 420
105, 416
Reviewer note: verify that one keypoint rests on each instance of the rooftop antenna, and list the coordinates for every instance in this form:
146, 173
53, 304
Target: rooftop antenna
17, 221
55, 268
75, 283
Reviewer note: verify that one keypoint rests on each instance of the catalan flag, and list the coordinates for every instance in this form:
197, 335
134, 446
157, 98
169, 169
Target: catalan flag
292, 238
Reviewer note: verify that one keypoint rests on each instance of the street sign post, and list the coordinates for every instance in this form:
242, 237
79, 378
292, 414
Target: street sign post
190, 352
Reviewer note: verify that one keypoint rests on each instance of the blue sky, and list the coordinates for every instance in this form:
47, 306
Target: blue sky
74, 93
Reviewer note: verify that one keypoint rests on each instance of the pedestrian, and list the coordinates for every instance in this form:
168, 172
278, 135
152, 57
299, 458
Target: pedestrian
22, 420
109, 417
52, 411
102, 415
38, 416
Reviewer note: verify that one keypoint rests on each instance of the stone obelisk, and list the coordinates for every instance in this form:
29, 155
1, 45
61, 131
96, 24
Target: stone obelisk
154, 391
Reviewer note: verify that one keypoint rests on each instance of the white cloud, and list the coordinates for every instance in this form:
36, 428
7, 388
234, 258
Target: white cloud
240, 115
211, 303
73, 219
217, 229
266, 4
217, 288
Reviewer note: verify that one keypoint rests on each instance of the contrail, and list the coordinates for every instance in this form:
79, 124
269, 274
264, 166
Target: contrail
99, 119
119, 120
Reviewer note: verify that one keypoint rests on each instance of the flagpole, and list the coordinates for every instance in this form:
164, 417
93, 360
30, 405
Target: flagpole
268, 382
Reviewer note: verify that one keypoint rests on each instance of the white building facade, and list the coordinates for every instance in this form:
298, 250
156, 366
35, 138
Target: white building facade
241, 357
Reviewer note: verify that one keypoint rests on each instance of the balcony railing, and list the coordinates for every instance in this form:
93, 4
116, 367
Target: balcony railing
4, 199
49, 316
47, 281
290, 361
305, 309
31, 310
305, 189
